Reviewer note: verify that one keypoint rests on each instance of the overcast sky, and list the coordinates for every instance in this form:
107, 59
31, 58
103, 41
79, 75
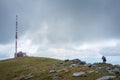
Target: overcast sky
63, 29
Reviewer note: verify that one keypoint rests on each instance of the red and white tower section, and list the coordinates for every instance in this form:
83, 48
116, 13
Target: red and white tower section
16, 37
20, 53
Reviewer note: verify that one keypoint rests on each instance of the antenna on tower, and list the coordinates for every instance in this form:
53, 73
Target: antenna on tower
16, 37
17, 54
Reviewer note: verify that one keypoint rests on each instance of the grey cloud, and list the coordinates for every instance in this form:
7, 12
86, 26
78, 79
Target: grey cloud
71, 21
68, 22
111, 51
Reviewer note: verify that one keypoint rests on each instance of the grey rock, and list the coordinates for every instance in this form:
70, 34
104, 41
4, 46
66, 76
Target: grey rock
116, 71
56, 77
101, 67
117, 66
106, 78
74, 65
62, 70
79, 74
111, 72
96, 71
59, 64
108, 68
91, 71
82, 62
67, 60
49, 65
95, 65
29, 76
75, 61
52, 71
89, 65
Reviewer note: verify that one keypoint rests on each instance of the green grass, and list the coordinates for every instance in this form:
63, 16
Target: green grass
18, 68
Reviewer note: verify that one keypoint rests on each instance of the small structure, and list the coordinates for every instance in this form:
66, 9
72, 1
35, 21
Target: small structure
20, 54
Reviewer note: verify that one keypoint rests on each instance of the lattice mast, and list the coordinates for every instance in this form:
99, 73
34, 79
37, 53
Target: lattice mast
16, 36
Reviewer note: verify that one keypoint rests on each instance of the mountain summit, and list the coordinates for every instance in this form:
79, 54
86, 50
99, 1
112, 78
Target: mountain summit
39, 68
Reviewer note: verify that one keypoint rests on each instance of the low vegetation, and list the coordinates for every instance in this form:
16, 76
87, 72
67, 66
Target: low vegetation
37, 68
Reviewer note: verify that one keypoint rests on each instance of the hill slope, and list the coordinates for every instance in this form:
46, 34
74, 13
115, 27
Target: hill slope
35, 68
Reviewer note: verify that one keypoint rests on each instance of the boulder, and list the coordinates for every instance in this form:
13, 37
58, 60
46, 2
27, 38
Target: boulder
93, 71
74, 65
59, 64
57, 71
89, 65
79, 74
110, 72
56, 76
52, 71
117, 66
113, 71
62, 70
67, 60
106, 78
75, 61
96, 71
116, 71
29, 76
108, 68
95, 65
82, 62
101, 68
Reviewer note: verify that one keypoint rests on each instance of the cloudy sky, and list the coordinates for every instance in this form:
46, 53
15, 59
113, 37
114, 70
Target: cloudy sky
63, 29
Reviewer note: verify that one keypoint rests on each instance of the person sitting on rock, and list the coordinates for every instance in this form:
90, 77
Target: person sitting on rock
104, 59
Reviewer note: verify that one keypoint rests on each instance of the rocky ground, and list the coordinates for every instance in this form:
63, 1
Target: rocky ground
31, 68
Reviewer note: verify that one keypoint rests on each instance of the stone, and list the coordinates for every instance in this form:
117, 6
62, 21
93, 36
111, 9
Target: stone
106, 78
29, 76
101, 67
110, 72
89, 65
82, 62
49, 65
52, 71
113, 71
56, 77
59, 64
75, 61
96, 71
116, 71
79, 74
62, 70
95, 65
93, 71
73, 65
108, 68
67, 60
117, 66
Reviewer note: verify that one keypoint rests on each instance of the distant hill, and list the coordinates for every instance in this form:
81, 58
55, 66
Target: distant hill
38, 68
